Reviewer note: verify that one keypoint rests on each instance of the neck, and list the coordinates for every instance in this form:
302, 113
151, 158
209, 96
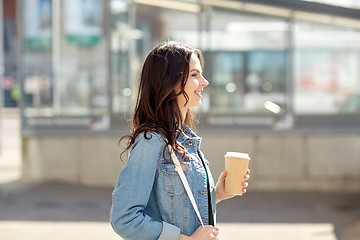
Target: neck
183, 114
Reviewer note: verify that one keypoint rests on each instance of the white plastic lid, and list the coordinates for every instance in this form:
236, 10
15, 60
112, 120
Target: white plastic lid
238, 155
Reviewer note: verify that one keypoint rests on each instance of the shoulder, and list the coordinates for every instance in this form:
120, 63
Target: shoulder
152, 140
146, 151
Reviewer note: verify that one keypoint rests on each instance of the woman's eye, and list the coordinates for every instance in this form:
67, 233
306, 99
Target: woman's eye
194, 75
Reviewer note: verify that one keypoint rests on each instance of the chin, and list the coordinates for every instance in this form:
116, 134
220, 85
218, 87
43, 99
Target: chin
194, 103
197, 104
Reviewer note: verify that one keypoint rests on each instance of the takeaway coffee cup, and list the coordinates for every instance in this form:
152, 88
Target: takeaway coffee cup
236, 165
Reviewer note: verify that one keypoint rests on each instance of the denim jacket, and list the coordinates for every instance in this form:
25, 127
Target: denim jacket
149, 199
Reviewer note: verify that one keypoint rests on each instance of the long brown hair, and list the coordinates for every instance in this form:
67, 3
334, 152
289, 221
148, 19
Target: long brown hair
163, 78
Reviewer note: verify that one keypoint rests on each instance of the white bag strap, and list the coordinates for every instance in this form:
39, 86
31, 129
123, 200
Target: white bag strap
185, 182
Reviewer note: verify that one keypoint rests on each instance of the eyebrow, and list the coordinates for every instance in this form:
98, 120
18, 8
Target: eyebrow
196, 70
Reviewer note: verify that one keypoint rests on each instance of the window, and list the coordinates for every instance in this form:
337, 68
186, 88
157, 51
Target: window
82, 81
227, 84
65, 70
37, 58
247, 55
121, 38
326, 69
265, 81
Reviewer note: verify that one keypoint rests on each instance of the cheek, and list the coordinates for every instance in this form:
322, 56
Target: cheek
191, 85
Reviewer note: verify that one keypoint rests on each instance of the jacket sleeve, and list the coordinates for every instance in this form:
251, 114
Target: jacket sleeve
132, 192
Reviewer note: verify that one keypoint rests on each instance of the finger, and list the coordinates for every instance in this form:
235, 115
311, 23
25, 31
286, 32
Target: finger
244, 190
211, 226
248, 171
245, 184
247, 176
222, 177
215, 232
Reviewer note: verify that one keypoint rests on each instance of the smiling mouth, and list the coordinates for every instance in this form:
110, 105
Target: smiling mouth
198, 93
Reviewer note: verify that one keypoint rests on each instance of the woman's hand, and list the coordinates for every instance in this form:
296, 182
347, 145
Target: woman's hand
206, 232
220, 187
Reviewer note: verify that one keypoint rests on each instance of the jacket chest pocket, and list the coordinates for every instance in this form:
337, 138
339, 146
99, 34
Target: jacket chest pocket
172, 182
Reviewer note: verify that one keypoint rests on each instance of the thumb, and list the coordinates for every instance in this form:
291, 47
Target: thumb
222, 176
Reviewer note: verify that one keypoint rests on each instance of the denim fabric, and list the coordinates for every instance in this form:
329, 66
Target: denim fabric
149, 200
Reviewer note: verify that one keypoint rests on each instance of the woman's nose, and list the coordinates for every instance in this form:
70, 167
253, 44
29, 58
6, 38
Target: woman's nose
205, 82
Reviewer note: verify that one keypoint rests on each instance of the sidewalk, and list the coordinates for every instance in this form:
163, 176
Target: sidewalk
55, 211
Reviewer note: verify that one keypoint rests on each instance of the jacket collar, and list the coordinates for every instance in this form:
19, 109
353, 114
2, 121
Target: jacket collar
186, 134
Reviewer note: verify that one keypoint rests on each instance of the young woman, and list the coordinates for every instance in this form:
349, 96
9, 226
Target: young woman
149, 199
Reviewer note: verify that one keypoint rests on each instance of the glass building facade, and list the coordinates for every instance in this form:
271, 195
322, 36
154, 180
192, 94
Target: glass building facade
270, 68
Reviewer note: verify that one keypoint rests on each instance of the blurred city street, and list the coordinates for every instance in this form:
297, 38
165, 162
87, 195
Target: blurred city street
282, 84
55, 211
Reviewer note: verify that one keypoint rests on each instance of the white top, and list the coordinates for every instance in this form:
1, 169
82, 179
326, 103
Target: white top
238, 155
